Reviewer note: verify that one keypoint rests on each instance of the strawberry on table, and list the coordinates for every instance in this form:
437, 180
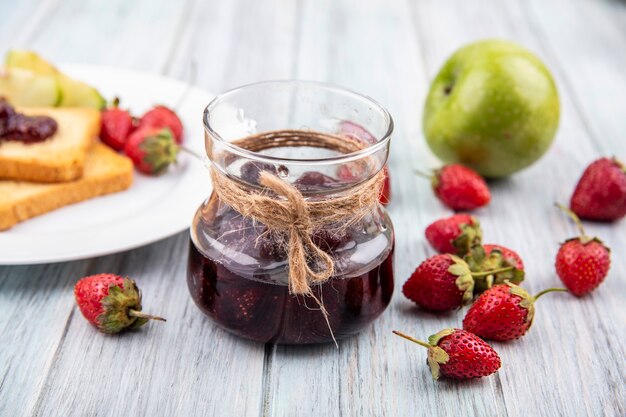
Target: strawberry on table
457, 354
152, 149
111, 303
503, 312
582, 262
455, 234
442, 283
460, 188
161, 117
490, 257
116, 125
601, 191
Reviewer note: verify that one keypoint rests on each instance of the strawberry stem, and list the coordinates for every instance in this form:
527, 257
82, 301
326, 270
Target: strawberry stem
190, 152
423, 174
547, 291
492, 272
576, 220
419, 342
139, 314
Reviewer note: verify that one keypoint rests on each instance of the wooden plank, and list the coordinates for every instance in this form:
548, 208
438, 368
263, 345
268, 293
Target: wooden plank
134, 34
36, 304
236, 43
182, 367
372, 49
195, 355
566, 329
593, 64
389, 51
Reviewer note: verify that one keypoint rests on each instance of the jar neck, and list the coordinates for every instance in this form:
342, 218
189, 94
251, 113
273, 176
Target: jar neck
315, 163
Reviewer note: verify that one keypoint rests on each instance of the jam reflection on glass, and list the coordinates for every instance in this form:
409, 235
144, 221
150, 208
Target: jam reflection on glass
237, 273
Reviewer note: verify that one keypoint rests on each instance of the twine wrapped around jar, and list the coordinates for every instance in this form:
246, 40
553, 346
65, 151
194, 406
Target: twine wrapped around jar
287, 211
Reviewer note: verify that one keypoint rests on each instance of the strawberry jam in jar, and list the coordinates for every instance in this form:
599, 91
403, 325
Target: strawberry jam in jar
293, 245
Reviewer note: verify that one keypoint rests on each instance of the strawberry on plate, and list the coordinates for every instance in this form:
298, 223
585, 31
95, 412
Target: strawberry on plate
115, 126
152, 149
163, 117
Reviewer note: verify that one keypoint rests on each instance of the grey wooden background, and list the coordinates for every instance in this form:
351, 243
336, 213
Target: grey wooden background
570, 364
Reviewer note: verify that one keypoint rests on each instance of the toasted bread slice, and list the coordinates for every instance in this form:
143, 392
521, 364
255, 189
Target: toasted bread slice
105, 172
57, 159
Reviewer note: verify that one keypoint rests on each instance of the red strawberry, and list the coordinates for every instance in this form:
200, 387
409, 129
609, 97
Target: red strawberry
457, 354
460, 188
115, 126
503, 312
509, 256
601, 191
151, 149
111, 303
455, 234
490, 257
582, 262
440, 283
385, 194
162, 116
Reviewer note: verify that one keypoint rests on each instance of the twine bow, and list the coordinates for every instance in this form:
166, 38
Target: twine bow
287, 210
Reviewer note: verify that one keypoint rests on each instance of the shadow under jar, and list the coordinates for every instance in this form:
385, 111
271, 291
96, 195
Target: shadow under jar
329, 144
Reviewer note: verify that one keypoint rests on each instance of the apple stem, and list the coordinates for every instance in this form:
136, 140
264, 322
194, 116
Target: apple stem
576, 220
419, 342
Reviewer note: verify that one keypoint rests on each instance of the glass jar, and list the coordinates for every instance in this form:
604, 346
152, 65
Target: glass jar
238, 269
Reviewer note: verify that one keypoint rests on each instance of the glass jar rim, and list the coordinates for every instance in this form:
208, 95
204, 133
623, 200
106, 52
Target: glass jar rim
371, 149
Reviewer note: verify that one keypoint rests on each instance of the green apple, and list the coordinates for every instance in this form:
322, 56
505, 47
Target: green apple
493, 107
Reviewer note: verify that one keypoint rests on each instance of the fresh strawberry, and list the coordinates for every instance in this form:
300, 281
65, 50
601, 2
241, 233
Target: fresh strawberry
601, 191
151, 149
115, 126
455, 234
440, 283
503, 312
162, 116
111, 303
385, 194
508, 256
460, 188
582, 262
490, 257
457, 354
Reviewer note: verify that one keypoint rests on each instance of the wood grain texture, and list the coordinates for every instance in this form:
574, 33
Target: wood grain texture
570, 364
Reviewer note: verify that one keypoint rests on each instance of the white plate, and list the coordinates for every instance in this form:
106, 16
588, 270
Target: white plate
152, 209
